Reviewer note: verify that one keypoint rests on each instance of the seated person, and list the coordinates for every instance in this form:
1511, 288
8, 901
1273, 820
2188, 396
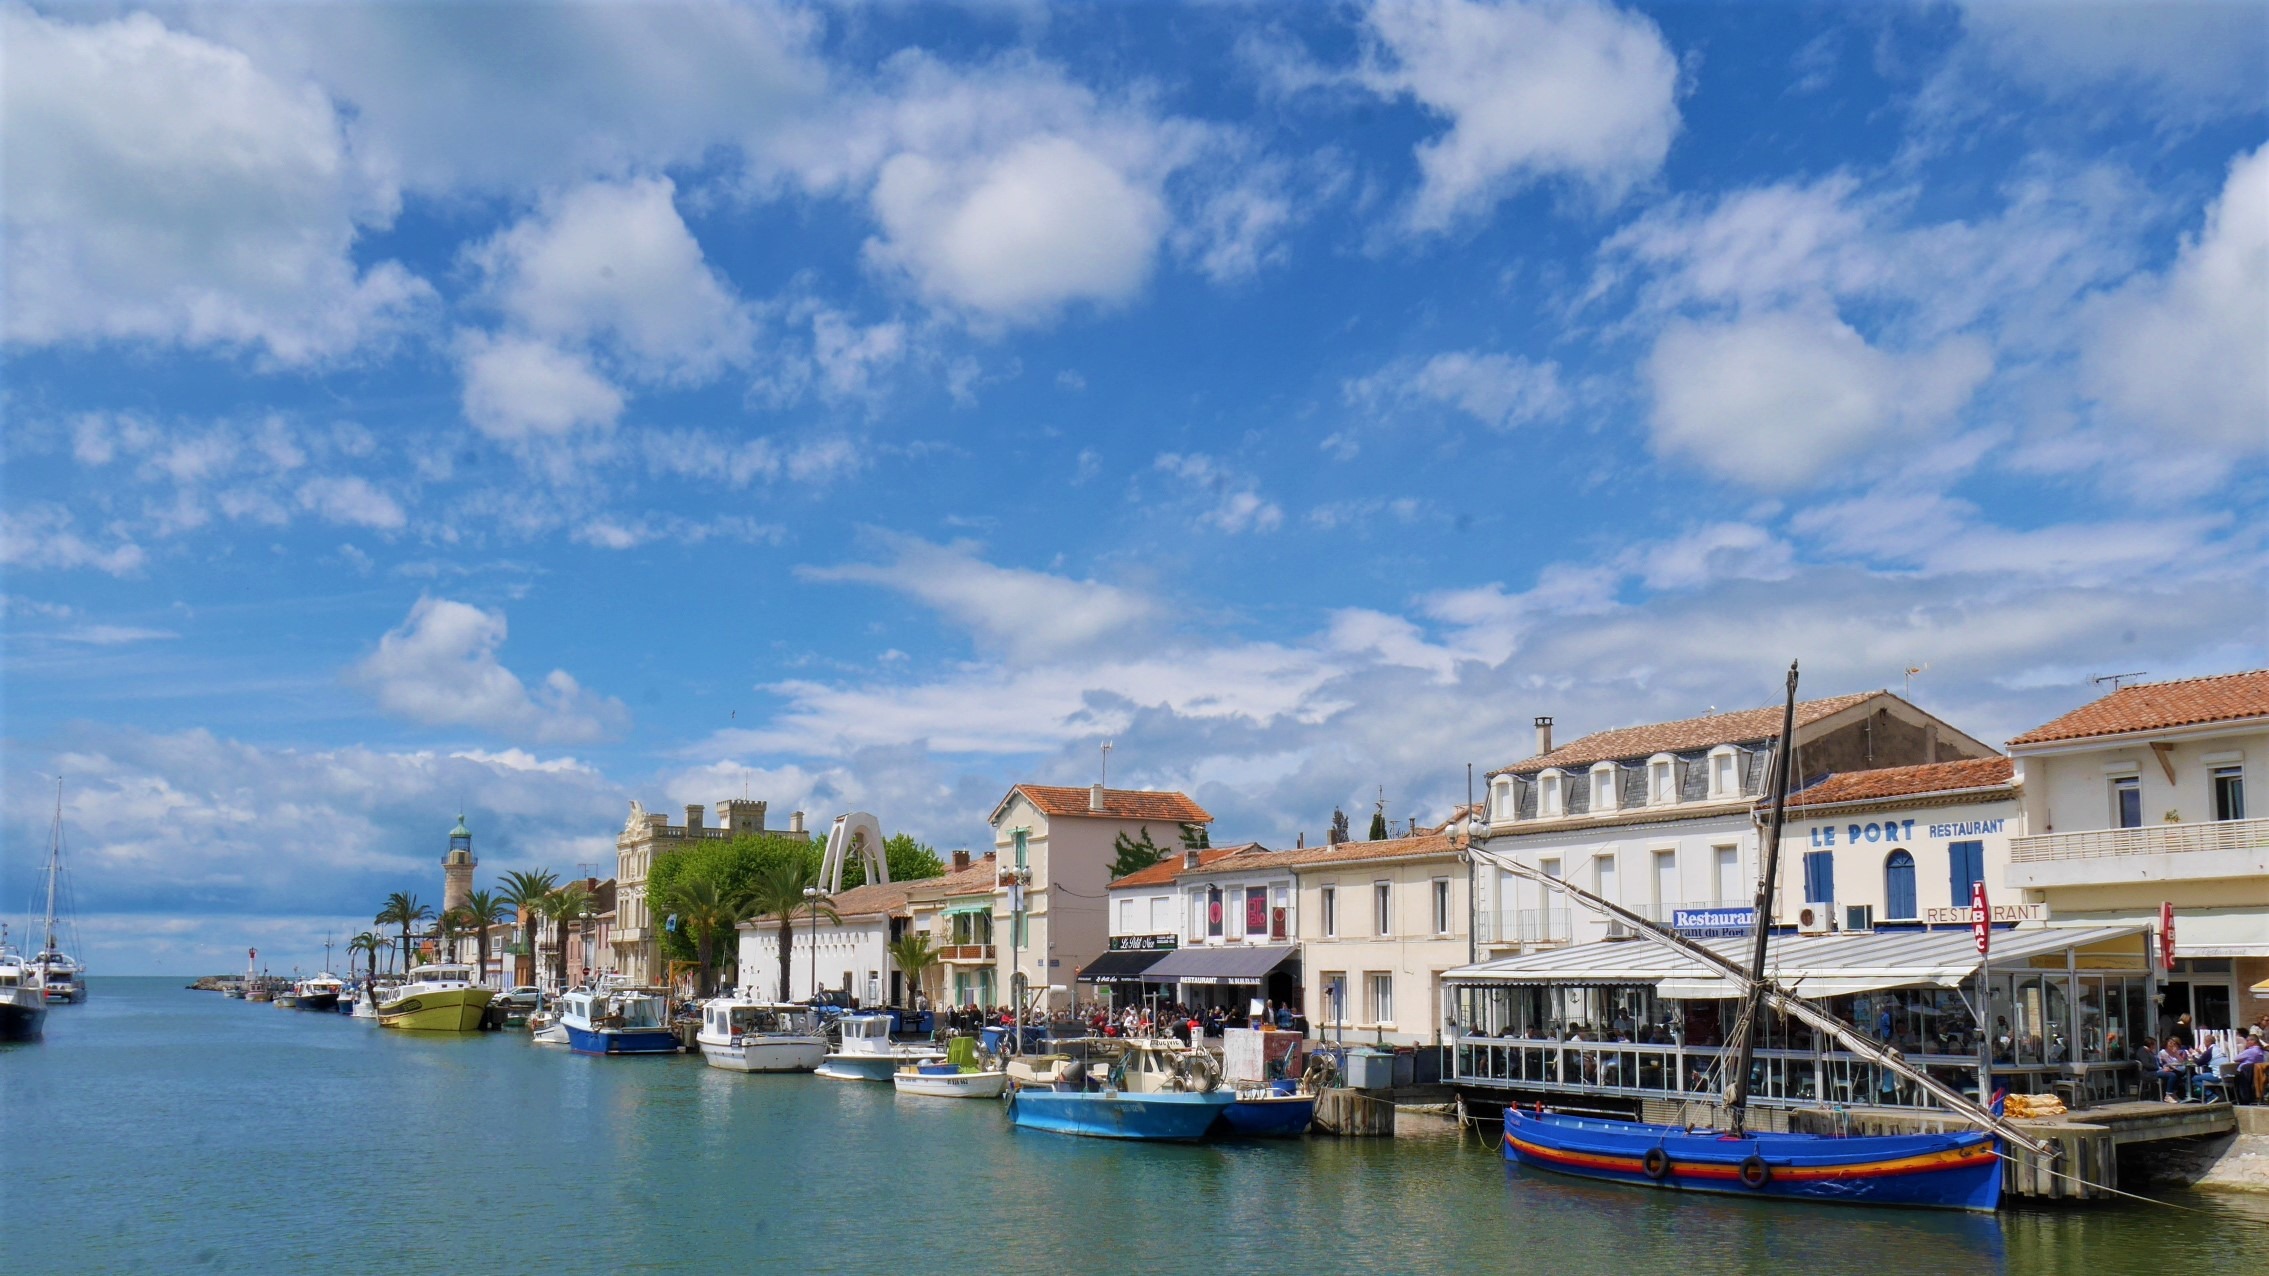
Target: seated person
2173, 1070
2252, 1063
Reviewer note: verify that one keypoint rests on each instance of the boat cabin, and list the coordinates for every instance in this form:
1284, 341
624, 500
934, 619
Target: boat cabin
1636, 1020
751, 1019
611, 1012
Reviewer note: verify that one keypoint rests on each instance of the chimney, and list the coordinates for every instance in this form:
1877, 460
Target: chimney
960, 861
1095, 799
1543, 736
795, 821
693, 811
1299, 841
1190, 858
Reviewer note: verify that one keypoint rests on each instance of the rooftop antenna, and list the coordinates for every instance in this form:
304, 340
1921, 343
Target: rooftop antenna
2117, 680
1907, 692
1106, 764
326, 952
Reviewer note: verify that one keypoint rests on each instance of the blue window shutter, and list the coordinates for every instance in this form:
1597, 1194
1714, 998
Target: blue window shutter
1968, 863
1898, 886
1819, 877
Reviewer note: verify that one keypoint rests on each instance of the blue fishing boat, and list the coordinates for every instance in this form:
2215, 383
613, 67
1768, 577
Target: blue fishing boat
1154, 1090
617, 1022
1269, 1115
1938, 1171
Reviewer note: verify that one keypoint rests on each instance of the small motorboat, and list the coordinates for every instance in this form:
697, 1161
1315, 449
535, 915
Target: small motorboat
23, 1003
1154, 1090
612, 1021
960, 1076
866, 1052
319, 992
740, 1034
1267, 1113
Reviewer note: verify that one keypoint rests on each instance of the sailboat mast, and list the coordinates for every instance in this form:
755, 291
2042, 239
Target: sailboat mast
54, 864
1737, 1102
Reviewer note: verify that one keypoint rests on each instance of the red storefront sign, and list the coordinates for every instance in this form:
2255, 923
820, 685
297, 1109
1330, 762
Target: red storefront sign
1981, 918
2166, 934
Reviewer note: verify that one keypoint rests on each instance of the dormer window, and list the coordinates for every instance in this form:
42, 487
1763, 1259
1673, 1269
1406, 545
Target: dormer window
1549, 795
1603, 787
1725, 772
1662, 780
1504, 799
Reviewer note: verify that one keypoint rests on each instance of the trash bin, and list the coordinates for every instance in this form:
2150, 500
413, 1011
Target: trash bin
1405, 1066
1369, 1069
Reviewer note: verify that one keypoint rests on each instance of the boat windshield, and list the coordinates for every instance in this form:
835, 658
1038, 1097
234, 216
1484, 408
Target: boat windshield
640, 1012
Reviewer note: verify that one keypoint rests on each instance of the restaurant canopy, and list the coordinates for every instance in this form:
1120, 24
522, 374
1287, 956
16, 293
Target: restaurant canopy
1114, 966
1226, 965
1812, 966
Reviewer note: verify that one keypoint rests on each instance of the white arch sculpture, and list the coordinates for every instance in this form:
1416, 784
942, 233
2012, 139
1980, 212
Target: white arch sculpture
856, 834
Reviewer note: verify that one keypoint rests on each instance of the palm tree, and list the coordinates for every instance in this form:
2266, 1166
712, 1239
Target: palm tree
704, 911
403, 910
446, 929
524, 891
914, 956
483, 909
560, 907
777, 893
370, 945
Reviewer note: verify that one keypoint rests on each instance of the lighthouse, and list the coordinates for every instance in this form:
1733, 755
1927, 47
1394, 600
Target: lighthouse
457, 868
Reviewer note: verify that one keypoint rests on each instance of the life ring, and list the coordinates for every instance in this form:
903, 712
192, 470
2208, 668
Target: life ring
1656, 1163
1755, 1173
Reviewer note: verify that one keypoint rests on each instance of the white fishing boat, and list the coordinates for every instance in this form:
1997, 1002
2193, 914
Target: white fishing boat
742, 1035
617, 1021
959, 1076
866, 1052
545, 1029
23, 1003
373, 992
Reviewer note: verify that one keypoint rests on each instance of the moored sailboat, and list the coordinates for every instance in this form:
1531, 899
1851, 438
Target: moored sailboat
62, 978
23, 1003
1959, 1170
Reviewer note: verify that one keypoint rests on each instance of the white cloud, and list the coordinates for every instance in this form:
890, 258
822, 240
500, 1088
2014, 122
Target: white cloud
516, 388
45, 535
439, 667
1230, 501
164, 188
1578, 90
1713, 552
352, 501
2188, 351
1499, 390
1026, 613
1774, 399
2189, 59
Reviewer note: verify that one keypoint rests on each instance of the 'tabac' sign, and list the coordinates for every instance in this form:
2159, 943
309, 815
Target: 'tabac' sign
1713, 923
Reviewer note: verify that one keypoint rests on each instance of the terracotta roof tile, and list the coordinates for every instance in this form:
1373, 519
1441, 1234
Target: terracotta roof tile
2155, 706
1170, 866
1118, 804
1908, 781
1688, 734
1422, 846
982, 874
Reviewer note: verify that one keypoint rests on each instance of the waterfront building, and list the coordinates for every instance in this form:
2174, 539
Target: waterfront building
2142, 799
848, 952
956, 912
1901, 847
1379, 925
1659, 818
1240, 935
1148, 918
590, 935
647, 835
1055, 847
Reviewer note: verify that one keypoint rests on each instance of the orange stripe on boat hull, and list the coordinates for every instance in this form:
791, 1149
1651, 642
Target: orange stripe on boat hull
1927, 1163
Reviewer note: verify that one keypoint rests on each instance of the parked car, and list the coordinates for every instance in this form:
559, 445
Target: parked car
525, 997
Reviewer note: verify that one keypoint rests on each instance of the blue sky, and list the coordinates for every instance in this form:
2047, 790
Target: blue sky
527, 409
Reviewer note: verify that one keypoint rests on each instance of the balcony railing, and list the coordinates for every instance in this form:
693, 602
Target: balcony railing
966, 952
1524, 926
2160, 839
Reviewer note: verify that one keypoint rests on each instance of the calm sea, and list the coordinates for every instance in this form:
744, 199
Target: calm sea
157, 1129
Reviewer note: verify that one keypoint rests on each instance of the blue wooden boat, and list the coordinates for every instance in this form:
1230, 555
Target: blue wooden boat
1106, 1115
1959, 1171
1269, 1116
616, 1022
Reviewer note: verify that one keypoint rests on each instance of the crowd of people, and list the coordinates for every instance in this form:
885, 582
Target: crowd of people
1150, 1019
2193, 1067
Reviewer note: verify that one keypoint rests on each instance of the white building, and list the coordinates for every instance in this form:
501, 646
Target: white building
1659, 818
2141, 799
1380, 924
1148, 920
1902, 847
1239, 933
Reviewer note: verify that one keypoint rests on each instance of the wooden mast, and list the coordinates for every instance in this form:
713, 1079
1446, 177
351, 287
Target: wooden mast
1784, 753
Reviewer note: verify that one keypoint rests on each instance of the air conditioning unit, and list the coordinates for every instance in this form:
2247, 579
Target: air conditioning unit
1815, 919
1859, 917
1617, 928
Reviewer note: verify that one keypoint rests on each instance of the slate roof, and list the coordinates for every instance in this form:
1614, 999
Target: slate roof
2156, 706
1118, 804
1169, 866
1908, 781
1685, 735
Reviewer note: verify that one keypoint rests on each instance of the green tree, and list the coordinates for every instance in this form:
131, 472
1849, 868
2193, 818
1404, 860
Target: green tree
524, 891
776, 896
560, 907
1134, 854
909, 861
914, 958
1195, 838
371, 946
403, 910
482, 910
732, 866
446, 928
1379, 825
703, 912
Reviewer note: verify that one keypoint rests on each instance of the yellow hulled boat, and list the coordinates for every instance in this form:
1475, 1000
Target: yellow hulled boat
437, 999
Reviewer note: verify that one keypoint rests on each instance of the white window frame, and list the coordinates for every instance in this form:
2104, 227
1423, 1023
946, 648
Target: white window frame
2216, 772
1233, 904
1662, 780
1334, 1015
1382, 907
1378, 998
1197, 915
1725, 772
2114, 780
1604, 796
1444, 903
1126, 915
1504, 799
1328, 905
1550, 793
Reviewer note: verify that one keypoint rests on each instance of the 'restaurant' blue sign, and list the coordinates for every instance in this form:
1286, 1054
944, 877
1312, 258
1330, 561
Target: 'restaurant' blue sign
1713, 923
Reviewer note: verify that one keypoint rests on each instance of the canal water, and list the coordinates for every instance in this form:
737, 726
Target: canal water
158, 1129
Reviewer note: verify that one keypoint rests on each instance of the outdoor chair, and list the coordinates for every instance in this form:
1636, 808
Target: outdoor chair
2218, 1083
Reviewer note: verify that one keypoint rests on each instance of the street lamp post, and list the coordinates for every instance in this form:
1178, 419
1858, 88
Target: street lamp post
812, 896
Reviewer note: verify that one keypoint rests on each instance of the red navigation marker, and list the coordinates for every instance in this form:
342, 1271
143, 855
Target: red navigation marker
1981, 918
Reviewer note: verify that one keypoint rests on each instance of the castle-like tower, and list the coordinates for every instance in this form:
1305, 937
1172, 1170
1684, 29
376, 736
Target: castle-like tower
457, 868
